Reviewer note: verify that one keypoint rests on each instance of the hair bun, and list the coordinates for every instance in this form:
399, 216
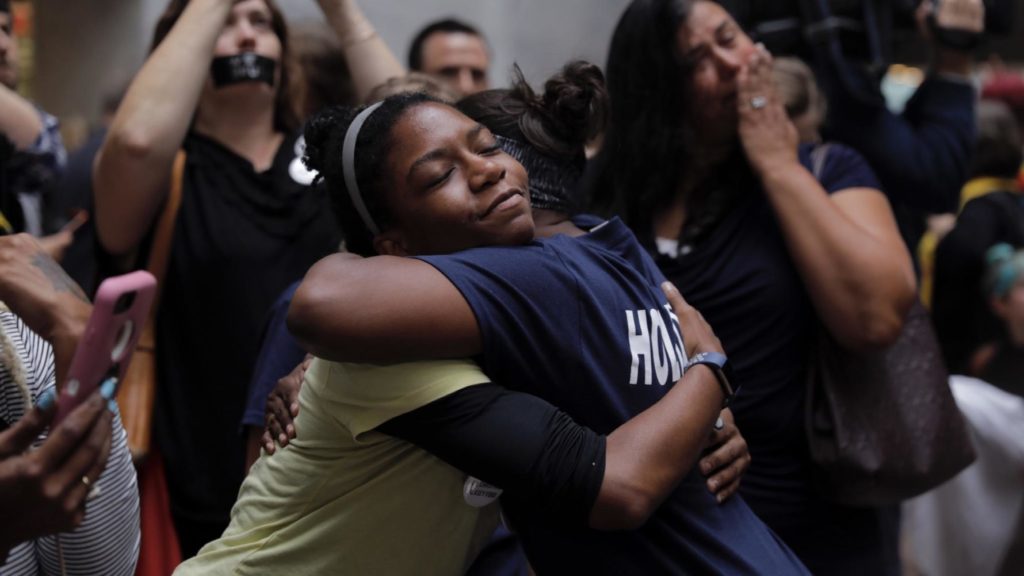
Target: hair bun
576, 100
319, 133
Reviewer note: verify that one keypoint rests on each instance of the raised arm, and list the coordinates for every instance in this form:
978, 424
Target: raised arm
370, 61
134, 165
846, 247
922, 156
381, 310
19, 119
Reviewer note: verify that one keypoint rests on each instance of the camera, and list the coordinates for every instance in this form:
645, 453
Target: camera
863, 28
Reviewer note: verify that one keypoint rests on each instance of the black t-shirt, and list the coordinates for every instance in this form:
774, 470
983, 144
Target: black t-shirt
241, 238
742, 279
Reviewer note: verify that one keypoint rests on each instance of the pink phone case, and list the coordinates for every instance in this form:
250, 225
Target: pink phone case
119, 313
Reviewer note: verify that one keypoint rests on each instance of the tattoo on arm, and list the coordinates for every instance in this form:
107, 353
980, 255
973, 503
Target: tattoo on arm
60, 281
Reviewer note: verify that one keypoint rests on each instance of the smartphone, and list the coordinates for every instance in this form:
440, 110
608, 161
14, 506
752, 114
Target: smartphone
120, 311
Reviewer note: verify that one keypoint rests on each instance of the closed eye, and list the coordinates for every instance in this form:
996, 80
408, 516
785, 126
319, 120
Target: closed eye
438, 181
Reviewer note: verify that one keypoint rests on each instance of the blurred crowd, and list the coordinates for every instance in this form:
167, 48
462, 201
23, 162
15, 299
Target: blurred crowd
426, 318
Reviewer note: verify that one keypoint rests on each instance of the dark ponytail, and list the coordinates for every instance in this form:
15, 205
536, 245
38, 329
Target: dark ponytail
325, 136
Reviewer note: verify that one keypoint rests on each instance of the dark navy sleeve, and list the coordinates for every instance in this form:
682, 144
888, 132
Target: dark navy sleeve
279, 355
922, 155
844, 168
520, 296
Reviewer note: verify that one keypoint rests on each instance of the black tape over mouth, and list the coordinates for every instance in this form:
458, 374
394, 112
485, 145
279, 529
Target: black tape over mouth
245, 67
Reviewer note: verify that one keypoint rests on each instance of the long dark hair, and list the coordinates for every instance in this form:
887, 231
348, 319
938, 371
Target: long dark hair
325, 136
285, 117
557, 124
637, 172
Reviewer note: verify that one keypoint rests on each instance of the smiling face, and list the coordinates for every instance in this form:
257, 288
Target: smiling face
714, 48
451, 187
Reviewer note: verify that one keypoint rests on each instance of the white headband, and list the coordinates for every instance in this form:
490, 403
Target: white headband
348, 166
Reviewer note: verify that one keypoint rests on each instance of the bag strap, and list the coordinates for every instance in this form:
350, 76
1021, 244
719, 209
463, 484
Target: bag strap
818, 157
160, 253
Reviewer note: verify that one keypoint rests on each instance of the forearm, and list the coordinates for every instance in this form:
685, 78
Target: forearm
517, 442
370, 61
651, 453
381, 310
19, 120
133, 166
848, 253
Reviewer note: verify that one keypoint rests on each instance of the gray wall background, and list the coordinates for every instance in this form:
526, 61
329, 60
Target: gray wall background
85, 48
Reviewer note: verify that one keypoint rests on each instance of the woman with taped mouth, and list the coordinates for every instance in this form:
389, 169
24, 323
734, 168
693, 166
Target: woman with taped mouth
248, 225
575, 317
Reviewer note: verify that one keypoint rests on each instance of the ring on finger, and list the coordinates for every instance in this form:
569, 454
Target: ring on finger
758, 102
94, 489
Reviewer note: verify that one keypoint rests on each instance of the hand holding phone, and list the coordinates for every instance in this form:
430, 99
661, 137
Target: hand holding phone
119, 312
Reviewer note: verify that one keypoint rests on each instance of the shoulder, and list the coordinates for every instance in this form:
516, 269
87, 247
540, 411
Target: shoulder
499, 264
369, 395
838, 167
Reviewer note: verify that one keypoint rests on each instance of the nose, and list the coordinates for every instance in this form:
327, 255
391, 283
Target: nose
728, 61
465, 84
245, 35
485, 173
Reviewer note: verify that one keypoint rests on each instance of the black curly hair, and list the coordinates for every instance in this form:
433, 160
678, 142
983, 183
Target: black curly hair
325, 135
572, 110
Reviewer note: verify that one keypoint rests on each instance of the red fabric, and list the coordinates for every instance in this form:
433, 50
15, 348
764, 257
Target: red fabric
159, 553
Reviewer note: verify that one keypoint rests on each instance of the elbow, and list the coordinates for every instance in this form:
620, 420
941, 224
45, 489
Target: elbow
129, 143
112, 167
879, 332
308, 315
881, 321
301, 316
637, 512
623, 509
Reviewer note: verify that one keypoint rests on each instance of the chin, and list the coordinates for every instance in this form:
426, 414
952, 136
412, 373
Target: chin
523, 231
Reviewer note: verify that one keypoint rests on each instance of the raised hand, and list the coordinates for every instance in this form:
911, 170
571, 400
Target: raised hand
768, 136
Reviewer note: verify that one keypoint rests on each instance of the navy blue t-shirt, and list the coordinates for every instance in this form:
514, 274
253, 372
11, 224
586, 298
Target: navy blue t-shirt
744, 282
582, 323
279, 355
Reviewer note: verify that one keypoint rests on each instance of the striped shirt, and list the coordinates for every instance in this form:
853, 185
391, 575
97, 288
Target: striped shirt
107, 541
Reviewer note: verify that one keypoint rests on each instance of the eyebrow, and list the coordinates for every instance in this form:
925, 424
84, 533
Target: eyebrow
692, 52
441, 152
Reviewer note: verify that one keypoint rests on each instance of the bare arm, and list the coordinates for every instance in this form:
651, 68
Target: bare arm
19, 120
133, 166
380, 310
35, 288
846, 247
370, 61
